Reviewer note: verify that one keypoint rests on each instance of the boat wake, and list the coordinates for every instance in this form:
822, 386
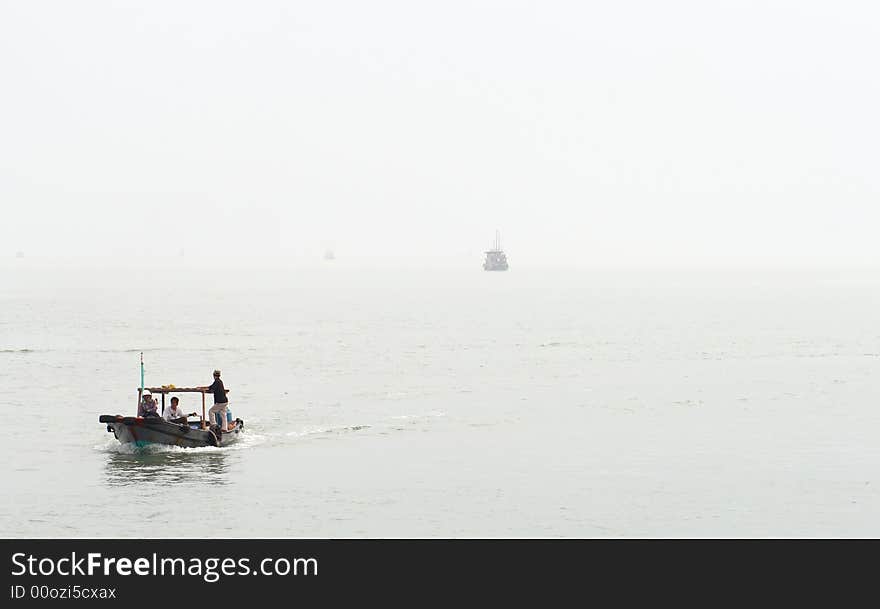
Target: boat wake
426, 415
311, 430
394, 423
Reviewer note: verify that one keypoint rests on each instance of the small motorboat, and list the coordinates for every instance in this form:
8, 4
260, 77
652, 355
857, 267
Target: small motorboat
142, 431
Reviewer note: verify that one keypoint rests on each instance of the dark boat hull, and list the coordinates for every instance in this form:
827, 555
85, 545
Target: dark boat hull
153, 430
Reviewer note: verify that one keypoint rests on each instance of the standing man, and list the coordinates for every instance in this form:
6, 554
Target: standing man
220, 401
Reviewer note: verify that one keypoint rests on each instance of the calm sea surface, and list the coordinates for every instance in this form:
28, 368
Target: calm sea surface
448, 403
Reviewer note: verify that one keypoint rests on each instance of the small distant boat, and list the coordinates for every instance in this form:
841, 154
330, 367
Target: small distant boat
496, 260
329, 255
19, 254
142, 431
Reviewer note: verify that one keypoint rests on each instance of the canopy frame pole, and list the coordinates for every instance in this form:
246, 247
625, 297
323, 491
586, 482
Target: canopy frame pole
203, 410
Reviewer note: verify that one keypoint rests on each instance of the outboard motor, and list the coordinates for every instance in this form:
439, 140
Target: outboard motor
216, 434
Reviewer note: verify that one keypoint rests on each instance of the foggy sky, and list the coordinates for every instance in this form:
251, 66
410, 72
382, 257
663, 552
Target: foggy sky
591, 134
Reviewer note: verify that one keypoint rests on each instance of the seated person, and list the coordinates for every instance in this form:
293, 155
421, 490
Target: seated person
174, 414
147, 407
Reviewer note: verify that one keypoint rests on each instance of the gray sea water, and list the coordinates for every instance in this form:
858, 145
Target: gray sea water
448, 403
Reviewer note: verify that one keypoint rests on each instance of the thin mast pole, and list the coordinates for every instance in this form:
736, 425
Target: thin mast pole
141, 392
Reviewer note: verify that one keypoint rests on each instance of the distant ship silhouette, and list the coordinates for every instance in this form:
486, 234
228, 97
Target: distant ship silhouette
496, 260
329, 255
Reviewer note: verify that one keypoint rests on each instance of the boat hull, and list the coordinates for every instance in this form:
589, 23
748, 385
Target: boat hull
143, 431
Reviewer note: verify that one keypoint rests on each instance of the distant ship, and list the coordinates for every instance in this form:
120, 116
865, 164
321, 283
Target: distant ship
329, 255
496, 260
19, 254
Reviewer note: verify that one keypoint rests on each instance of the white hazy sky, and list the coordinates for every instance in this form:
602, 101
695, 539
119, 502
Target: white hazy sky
631, 132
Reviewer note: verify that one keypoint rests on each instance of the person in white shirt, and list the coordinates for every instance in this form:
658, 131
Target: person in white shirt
174, 414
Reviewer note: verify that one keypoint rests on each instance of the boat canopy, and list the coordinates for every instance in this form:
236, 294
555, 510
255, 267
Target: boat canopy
167, 389
173, 389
